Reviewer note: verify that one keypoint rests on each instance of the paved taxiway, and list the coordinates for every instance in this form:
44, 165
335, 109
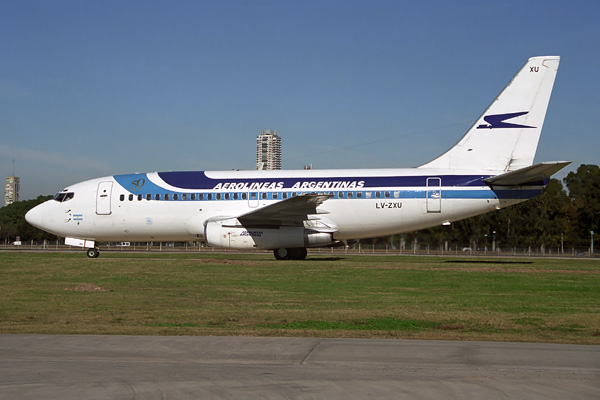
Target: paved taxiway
127, 367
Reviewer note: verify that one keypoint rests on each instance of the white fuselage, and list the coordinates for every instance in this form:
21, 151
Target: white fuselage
176, 206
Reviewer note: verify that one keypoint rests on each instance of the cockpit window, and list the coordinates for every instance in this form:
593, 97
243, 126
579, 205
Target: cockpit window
64, 196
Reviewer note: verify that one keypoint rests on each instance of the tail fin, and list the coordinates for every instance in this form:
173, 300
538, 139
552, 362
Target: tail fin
506, 135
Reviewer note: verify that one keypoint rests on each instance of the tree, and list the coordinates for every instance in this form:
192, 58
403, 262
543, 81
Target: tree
542, 222
585, 198
12, 221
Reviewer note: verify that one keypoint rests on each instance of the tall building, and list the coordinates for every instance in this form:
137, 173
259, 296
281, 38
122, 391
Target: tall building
11, 190
268, 150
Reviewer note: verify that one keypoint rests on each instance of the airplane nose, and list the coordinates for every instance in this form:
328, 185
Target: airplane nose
35, 216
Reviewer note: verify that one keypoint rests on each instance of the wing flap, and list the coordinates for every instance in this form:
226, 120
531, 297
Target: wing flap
294, 210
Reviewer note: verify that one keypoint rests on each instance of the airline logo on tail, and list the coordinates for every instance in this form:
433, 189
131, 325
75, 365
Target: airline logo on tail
497, 121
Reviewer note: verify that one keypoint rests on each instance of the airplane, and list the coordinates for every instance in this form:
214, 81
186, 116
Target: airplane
288, 211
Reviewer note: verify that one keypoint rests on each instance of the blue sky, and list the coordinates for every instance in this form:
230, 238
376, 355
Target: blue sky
95, 88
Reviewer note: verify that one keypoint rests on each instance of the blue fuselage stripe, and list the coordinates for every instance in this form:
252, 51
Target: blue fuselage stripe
197, 180
413, 187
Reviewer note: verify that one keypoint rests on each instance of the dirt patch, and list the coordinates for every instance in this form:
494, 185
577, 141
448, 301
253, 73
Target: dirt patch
447, 327
86, 287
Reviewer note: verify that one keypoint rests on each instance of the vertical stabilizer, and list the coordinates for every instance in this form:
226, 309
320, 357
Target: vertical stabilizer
506, 135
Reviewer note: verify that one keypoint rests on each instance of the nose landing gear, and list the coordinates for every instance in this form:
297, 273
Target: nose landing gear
93, 252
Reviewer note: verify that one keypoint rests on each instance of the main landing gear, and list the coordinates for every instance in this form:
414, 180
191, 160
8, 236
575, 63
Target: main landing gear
93, 252
296, 253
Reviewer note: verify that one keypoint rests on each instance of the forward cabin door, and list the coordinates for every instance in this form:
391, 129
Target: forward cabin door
103, 198
434, 195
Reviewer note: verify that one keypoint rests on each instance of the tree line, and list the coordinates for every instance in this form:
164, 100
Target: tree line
564, 215
13, 224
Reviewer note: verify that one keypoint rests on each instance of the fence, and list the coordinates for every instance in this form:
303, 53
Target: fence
358, 248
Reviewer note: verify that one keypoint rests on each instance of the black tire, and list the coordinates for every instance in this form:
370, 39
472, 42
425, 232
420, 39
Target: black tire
295, 253
93, 253
281, 254
303, 254
298, 253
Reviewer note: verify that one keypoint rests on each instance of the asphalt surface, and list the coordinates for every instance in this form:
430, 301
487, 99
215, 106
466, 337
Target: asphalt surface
148, 367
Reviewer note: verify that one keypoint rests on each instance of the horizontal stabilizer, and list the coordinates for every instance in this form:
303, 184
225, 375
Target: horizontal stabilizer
534, 173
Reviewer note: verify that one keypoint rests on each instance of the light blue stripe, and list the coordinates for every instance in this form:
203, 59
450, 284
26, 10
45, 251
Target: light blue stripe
446, 192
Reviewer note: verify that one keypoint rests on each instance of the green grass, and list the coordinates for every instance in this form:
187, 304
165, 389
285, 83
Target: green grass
540, 300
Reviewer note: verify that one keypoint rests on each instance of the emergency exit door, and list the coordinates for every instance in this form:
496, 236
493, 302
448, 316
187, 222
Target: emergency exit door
434, 195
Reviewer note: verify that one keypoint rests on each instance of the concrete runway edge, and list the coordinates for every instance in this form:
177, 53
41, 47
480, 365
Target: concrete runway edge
149, 367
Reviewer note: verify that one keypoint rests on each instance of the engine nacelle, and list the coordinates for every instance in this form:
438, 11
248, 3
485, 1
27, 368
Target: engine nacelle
230, 234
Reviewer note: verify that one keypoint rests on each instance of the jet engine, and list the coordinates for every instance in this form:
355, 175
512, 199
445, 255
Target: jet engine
231, 234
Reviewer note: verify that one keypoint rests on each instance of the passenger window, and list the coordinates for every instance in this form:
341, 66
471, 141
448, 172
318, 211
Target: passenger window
378, 194
166, 196
368, 195
341, 195
235, 196
130, 197
264, 196
157, 196
349, 195
285, 195
218, 196
122, 197
140, 197
184, 196
359, 195
244, 196
387, 195
397, 194
148, 197
193, 196
275, 196
209, 196
201, 196
253, 196
175, 196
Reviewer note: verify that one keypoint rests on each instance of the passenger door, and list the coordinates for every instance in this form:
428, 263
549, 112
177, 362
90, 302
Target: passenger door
103, 198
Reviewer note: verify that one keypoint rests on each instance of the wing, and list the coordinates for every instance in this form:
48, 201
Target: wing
290, 212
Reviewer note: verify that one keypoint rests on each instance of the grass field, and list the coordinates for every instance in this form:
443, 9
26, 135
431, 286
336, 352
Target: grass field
534, 300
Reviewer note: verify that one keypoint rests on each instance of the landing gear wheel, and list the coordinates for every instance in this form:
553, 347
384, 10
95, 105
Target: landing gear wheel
93, 253
298, 253
303, 254
281, 254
